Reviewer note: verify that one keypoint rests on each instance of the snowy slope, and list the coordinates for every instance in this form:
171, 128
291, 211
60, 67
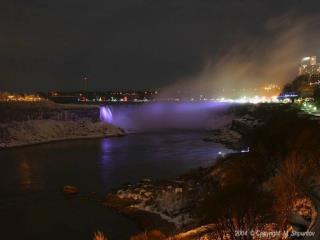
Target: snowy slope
39, 131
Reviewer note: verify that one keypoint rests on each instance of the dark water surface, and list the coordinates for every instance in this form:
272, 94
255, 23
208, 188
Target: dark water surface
31, 179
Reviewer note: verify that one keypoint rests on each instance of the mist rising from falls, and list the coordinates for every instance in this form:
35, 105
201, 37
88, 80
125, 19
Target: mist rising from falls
249, 61
163, 116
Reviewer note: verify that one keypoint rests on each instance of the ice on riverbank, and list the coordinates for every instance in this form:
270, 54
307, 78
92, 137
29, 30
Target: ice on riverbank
30, 132
174, 201
166, 200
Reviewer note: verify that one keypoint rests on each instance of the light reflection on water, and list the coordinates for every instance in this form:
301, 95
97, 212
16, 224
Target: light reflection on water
29, 172
25, 175
106, 148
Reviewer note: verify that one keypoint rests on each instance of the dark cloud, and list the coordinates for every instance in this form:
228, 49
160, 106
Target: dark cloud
125, 44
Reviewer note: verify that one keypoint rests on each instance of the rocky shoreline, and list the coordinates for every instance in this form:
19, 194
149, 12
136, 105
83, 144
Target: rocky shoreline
233, 135
168, 206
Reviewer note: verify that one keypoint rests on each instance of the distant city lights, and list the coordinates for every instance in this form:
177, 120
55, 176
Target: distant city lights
254, 100
7, 97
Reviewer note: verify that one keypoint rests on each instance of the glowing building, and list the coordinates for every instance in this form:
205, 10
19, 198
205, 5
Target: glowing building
313, 60
309, 65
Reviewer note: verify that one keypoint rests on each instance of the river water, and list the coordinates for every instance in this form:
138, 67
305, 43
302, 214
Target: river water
32, 205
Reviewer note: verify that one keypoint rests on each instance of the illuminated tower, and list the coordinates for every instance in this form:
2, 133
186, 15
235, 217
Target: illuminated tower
85, 81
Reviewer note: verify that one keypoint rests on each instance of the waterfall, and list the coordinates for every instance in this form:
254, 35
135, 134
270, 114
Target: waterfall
105, 114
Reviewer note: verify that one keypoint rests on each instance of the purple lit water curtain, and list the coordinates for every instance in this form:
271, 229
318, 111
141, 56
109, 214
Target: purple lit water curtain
105, 114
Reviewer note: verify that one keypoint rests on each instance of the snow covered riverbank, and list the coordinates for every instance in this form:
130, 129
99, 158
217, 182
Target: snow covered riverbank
15, 134
23, 124
172, 202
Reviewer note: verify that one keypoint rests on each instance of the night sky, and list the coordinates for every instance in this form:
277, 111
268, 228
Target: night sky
122, 44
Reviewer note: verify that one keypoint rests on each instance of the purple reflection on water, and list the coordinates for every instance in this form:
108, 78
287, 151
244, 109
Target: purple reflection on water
106, 162
105, 114
106, 149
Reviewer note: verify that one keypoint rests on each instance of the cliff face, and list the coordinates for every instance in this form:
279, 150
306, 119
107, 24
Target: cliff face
31, 123
16, 111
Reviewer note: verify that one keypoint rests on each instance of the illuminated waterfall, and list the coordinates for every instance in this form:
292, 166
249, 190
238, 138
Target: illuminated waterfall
105, 114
